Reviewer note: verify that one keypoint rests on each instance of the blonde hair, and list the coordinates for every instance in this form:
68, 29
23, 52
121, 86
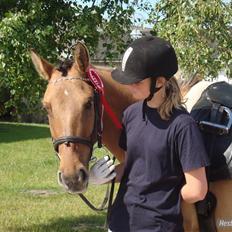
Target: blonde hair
173, 99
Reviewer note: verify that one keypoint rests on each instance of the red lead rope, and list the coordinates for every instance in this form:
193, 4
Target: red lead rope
98, 84
110, 112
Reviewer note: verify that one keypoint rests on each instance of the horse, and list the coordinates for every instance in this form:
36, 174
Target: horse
69, 101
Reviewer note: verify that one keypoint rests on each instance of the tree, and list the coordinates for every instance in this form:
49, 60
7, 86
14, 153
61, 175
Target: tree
200, 31
51, 27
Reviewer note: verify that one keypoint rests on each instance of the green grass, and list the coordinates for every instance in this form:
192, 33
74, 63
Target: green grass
28, 165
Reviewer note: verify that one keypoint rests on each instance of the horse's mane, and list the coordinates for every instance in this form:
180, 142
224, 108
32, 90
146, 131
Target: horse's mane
64, 66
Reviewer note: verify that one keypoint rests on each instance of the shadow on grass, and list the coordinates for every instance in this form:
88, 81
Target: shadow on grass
12, 132
69, 224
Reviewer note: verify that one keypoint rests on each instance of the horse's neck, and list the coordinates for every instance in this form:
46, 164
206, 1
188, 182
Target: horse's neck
117, 95
118, 98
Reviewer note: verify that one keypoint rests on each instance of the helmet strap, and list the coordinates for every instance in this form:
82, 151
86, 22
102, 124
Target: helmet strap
153, 90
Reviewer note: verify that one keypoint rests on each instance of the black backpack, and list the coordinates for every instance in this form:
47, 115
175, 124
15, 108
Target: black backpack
214, 117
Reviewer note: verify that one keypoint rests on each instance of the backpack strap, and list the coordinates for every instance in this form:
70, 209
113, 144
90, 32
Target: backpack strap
205, 213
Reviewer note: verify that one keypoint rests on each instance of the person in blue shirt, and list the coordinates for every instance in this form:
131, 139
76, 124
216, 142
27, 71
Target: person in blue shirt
165, 155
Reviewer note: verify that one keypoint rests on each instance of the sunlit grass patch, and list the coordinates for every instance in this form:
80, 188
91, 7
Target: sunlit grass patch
30, 198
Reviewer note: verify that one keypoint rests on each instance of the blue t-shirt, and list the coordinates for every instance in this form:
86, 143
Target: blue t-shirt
158, 152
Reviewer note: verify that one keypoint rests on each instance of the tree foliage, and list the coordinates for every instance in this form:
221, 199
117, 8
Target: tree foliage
51, 27
201, 32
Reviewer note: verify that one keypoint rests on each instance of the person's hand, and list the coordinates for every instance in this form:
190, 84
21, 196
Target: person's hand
102, 171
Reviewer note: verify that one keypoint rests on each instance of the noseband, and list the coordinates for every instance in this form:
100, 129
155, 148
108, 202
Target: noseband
96, 134
70, 139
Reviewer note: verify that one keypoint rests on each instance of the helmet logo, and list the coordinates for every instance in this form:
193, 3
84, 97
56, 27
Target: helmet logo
125, 57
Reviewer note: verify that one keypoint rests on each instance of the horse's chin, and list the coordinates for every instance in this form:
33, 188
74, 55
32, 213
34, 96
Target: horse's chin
74, 189
77, 192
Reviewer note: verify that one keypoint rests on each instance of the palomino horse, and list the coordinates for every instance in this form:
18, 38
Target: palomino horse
69, 101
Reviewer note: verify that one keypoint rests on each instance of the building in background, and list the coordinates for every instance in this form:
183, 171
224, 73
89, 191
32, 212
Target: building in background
99, 56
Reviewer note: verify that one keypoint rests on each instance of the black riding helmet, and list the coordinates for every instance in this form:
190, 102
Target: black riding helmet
147, 57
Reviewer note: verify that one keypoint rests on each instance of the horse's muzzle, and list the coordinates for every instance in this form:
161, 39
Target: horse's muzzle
76, 183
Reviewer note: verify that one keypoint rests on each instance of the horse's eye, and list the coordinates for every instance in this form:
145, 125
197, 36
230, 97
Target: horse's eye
47, 107
89, 104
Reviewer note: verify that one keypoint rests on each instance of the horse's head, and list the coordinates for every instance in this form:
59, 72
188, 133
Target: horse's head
69, 102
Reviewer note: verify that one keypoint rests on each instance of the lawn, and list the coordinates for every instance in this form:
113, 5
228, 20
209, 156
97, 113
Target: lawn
30, 198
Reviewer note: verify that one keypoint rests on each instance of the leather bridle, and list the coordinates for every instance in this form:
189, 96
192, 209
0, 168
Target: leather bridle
96, 134
70, 139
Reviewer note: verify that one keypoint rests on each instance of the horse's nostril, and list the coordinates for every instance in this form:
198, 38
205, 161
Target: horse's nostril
61, 178
82, 175
74, 183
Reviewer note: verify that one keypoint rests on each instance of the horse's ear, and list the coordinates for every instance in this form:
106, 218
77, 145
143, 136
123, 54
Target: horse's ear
43, 67
81, 56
